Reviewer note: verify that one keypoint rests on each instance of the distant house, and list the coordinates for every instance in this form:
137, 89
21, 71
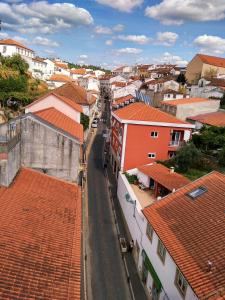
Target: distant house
211, 119
122, 101
204, 66
9, 47
77, 73
57, 80
141, 134
186, 107
209, 88
41, 220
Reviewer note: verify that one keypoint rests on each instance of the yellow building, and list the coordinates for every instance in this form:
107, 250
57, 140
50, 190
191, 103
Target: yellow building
204, 66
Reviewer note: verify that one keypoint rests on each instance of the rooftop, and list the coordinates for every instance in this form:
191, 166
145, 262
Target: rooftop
140, 111
183, 101
40, 238
192, 230
214, 119
14, 43
212, 60
145, 197
123, 99
74, 92
164, 176
68, 101
60, 78
61, 121
78, 71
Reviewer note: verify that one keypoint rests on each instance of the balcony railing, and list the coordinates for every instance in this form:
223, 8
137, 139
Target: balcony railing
174, 143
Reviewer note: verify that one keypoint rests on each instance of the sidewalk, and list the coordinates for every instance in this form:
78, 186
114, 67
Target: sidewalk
138, 289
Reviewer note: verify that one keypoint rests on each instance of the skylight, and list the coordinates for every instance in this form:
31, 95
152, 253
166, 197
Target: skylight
197, 192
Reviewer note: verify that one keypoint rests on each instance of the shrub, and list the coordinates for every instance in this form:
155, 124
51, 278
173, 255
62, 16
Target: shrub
84, 120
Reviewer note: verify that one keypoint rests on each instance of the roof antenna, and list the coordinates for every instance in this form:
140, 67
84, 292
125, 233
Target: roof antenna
209, 266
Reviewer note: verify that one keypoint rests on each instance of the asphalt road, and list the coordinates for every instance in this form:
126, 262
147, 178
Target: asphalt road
108, 280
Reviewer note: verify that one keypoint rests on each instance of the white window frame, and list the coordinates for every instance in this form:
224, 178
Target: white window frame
155, 134
180, 282
149, 232
161, 251
151, 155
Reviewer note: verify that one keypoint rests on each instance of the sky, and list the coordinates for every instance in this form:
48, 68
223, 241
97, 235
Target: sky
112, 33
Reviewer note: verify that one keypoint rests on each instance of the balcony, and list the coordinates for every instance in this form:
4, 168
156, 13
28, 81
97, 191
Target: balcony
174, 143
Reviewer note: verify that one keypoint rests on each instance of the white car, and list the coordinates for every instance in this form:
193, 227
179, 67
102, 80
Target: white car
94, 124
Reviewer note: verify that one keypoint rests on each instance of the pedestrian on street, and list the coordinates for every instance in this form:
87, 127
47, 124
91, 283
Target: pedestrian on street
131, 246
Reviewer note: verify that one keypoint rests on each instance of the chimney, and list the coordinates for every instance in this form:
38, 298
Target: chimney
171, 170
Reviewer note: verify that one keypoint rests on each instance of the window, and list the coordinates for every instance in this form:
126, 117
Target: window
154, 134
149, 231
180, 282
151, 155
4, 49
197, 192
161, 251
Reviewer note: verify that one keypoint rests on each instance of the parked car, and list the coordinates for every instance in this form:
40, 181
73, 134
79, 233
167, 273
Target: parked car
96, 120
94, 124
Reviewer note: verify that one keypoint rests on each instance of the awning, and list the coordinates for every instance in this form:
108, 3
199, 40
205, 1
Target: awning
151, 270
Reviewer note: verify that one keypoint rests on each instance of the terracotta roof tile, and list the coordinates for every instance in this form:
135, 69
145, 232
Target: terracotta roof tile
142, 112
193, 232
119, 84
163, 175
74, 92
122, 99
185, 101
61, 65
212, 60
61, 121
213, 119
14, 43
78, 71
60, 78
40, 238
71, 103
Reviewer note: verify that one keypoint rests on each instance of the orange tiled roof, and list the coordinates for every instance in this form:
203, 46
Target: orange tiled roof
119, 84
71, 103
122, 99
162, 175
74, 92
193, 232
185, 101
212, 60
214, 119
60, 78
79, 71
61, 121
61, 65
14, 43
40, 238
140, 111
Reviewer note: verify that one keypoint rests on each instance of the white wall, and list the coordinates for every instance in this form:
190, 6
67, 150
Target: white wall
53, 101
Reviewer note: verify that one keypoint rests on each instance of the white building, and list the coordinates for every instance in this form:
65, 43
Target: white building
9, 47
177, 250
208, 88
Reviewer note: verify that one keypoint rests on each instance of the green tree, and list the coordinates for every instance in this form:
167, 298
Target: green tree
222, 157
84, 120
222, 101
15, 62
187, 157
181, 79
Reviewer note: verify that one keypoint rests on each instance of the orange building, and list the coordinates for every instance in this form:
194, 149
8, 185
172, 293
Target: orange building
142, 134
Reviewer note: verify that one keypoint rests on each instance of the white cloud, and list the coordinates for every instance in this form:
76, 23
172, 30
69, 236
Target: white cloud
20, 39
118, 28
42, 17
83, 56
128, 51
122, 5
50, 51
103, 30
210, 44
3, 35
109, 42
42, 41
139, 39
169, 58
166, 38
175, 12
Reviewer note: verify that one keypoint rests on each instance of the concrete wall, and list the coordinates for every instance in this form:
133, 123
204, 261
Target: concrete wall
194, 109
194, 70
46, 148
53, 101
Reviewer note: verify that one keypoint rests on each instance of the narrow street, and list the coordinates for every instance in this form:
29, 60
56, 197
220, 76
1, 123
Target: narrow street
108, 280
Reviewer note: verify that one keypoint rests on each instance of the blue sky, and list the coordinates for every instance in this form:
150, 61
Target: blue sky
115, 32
